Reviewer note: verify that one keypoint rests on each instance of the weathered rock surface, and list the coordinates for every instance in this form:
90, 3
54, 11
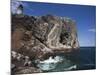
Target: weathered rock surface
42, 36
27, 70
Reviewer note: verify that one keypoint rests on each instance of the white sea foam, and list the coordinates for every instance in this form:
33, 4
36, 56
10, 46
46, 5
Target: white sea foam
71, 67
49, 63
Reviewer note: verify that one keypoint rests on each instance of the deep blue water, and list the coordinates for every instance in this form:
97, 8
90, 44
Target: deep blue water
87, 58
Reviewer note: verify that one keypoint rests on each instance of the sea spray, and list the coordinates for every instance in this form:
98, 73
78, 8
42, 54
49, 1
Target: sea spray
50, 63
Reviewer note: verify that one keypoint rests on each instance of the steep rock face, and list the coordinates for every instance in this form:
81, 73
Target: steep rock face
43, 34
56, 32
41, 37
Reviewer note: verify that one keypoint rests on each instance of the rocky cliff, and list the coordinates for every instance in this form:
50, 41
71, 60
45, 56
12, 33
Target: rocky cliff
39, 37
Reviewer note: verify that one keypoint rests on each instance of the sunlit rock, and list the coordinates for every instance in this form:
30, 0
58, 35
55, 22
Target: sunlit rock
40, 38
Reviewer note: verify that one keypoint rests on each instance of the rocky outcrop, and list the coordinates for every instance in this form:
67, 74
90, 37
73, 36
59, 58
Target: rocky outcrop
40, 37
27, 70
56, 32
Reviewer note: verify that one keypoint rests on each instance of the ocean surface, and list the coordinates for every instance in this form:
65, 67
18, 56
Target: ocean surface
85, 59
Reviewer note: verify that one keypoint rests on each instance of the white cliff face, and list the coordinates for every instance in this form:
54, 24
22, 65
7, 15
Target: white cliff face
53, 40
53, 36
